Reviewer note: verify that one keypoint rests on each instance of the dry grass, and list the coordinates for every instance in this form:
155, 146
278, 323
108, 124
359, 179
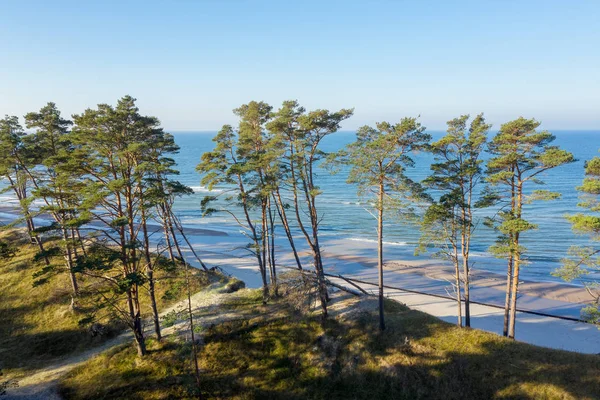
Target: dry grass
279, 352
37, 324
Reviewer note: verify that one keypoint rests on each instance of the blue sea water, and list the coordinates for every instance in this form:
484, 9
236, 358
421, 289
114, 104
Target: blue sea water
345, 216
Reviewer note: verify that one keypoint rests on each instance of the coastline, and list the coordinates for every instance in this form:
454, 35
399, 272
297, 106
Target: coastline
350, 257
357, 260
551, 298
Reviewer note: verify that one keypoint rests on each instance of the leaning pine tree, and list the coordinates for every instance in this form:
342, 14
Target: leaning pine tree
14, 164
304, 136
261, 149
378, 160
284, 125
519, 155
240, 162
56, 180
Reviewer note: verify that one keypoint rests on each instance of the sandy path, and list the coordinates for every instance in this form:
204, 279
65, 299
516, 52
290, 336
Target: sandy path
43, 384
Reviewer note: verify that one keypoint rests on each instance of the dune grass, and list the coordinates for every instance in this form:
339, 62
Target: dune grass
288, 355
37, 324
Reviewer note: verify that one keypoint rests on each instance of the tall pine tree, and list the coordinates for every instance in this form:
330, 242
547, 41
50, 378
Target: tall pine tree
520, 154
456, 173
378, 161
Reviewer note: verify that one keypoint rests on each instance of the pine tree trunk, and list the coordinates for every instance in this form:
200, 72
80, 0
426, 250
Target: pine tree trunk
323, 294
286, 226
22, 196
262, 249
81, 243
517, 265
184, 236
322, 287
175, 241
380, 256
465, 244
467, 287
311, 238
510, 267
457, 285
458, 299
150, 274
69, 261
314, 219
507, 301
257, 241
37, 240
272, 252
192, 333
168, 242
136, 322
75, 254
166, 232
138, 330
513, 304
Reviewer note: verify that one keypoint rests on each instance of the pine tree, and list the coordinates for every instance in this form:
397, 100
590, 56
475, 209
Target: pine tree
520, 154
449, 221
583, 262
241, 160
56, 182
259, 148
119, 158
285, 125
305, 137
378, 161
14, 164
153, 169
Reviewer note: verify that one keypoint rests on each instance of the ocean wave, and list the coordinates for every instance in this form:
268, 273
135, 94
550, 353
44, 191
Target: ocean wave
204, 189
205, 220
375, 241
480, 254
8, 199
352, 203
13, 201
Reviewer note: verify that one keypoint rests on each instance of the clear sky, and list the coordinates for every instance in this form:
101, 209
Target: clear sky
191, 62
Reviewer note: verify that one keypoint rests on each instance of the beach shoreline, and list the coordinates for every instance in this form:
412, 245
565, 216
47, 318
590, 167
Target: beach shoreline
345, 250
428, 276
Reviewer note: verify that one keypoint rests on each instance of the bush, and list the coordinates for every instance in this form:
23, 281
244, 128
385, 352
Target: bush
6, 251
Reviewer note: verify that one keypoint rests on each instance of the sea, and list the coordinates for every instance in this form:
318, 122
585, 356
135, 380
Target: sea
347, 217
348, 227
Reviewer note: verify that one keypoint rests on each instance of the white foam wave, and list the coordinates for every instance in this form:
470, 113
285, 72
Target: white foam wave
480, 254
375, 241
204, 220
204, 189
8, 199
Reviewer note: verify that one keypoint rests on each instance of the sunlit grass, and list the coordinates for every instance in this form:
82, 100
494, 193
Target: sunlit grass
37, 324
288, 355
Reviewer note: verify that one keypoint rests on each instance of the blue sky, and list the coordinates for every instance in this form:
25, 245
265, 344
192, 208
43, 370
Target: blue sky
191, 62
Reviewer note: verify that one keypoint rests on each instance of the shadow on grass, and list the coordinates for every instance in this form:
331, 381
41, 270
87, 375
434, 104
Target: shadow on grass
49, 345
297, 356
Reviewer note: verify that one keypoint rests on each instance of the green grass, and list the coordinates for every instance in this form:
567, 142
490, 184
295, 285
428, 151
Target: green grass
164, 373
280, 353
37, 324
